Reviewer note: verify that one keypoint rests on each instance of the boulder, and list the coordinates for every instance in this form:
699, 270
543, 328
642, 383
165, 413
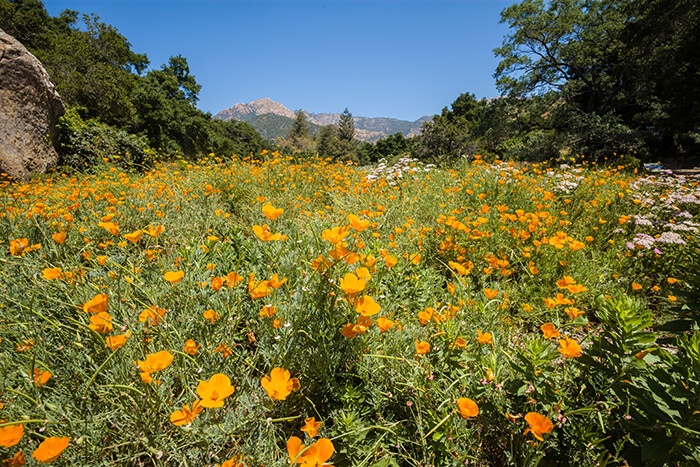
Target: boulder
29, 110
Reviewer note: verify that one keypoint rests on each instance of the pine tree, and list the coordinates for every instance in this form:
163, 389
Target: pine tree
300, 127
346, 127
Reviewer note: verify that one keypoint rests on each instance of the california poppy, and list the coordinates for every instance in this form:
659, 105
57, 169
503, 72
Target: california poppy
96, 304
186, 416
272, 212
279, 384
11, 434
174, 276
114, 342
484, 338
191, 347
550, 331
539, 424
467, 407
422, 347
315, 455
215, 391
50, 449
569, 347
311, 427
366, 306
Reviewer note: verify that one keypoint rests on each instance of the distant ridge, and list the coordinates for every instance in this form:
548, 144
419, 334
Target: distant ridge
272, 119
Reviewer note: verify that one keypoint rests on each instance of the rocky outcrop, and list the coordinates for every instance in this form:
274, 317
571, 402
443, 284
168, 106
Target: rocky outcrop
29, 110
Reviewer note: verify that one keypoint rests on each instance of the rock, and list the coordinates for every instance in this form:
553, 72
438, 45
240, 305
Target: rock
29, 110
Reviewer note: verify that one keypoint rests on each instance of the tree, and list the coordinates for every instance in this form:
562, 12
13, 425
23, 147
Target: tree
328, 143
346, 136
298, 136
626, 72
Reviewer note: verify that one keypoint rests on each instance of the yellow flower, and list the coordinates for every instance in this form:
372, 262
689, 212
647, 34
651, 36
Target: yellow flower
215, 391
279, 384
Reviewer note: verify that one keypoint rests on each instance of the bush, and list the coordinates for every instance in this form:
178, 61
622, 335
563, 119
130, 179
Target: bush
82, 144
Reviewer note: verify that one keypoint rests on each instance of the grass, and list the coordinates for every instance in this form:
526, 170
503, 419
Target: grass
553, 263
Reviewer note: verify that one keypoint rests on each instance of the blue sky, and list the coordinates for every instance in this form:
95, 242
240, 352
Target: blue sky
381, 58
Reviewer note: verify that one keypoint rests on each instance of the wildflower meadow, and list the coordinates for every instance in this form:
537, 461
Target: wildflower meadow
267, 310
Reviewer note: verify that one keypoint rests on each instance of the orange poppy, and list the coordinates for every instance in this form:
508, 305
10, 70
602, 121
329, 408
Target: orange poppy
490, 293
18, 460
155, 361
384, 324
366, 306
357, 223
134, 237
191, 347
152, 315
59, 237
211, 315
40, 377
17, 246
50, 449
569, 347
539, 425
279, 384
422, 347
114, 342
215, 391
550, 331
315, 455
186, 416
11, 434
467, 407
271, 212
52, 273
351, 284
484, 338
311, 427
174, 276
96, 304
101, 322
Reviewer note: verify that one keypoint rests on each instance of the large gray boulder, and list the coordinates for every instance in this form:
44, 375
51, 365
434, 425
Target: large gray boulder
29, 110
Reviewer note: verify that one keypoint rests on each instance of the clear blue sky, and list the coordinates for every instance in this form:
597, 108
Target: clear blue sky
381, 58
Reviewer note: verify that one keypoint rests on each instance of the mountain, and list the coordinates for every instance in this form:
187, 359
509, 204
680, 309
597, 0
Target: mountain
272, 119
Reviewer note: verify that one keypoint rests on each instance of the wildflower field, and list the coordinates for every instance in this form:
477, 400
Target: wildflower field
264, 310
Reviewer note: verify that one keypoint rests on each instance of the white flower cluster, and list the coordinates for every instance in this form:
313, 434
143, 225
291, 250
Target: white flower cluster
391, 173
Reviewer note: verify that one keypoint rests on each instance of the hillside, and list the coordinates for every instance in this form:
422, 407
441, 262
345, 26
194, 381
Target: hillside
272, 119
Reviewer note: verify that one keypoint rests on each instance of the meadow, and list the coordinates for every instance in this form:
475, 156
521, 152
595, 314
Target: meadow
265, 310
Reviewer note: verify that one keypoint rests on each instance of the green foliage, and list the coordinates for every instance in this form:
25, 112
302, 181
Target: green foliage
84, 144
624, 71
